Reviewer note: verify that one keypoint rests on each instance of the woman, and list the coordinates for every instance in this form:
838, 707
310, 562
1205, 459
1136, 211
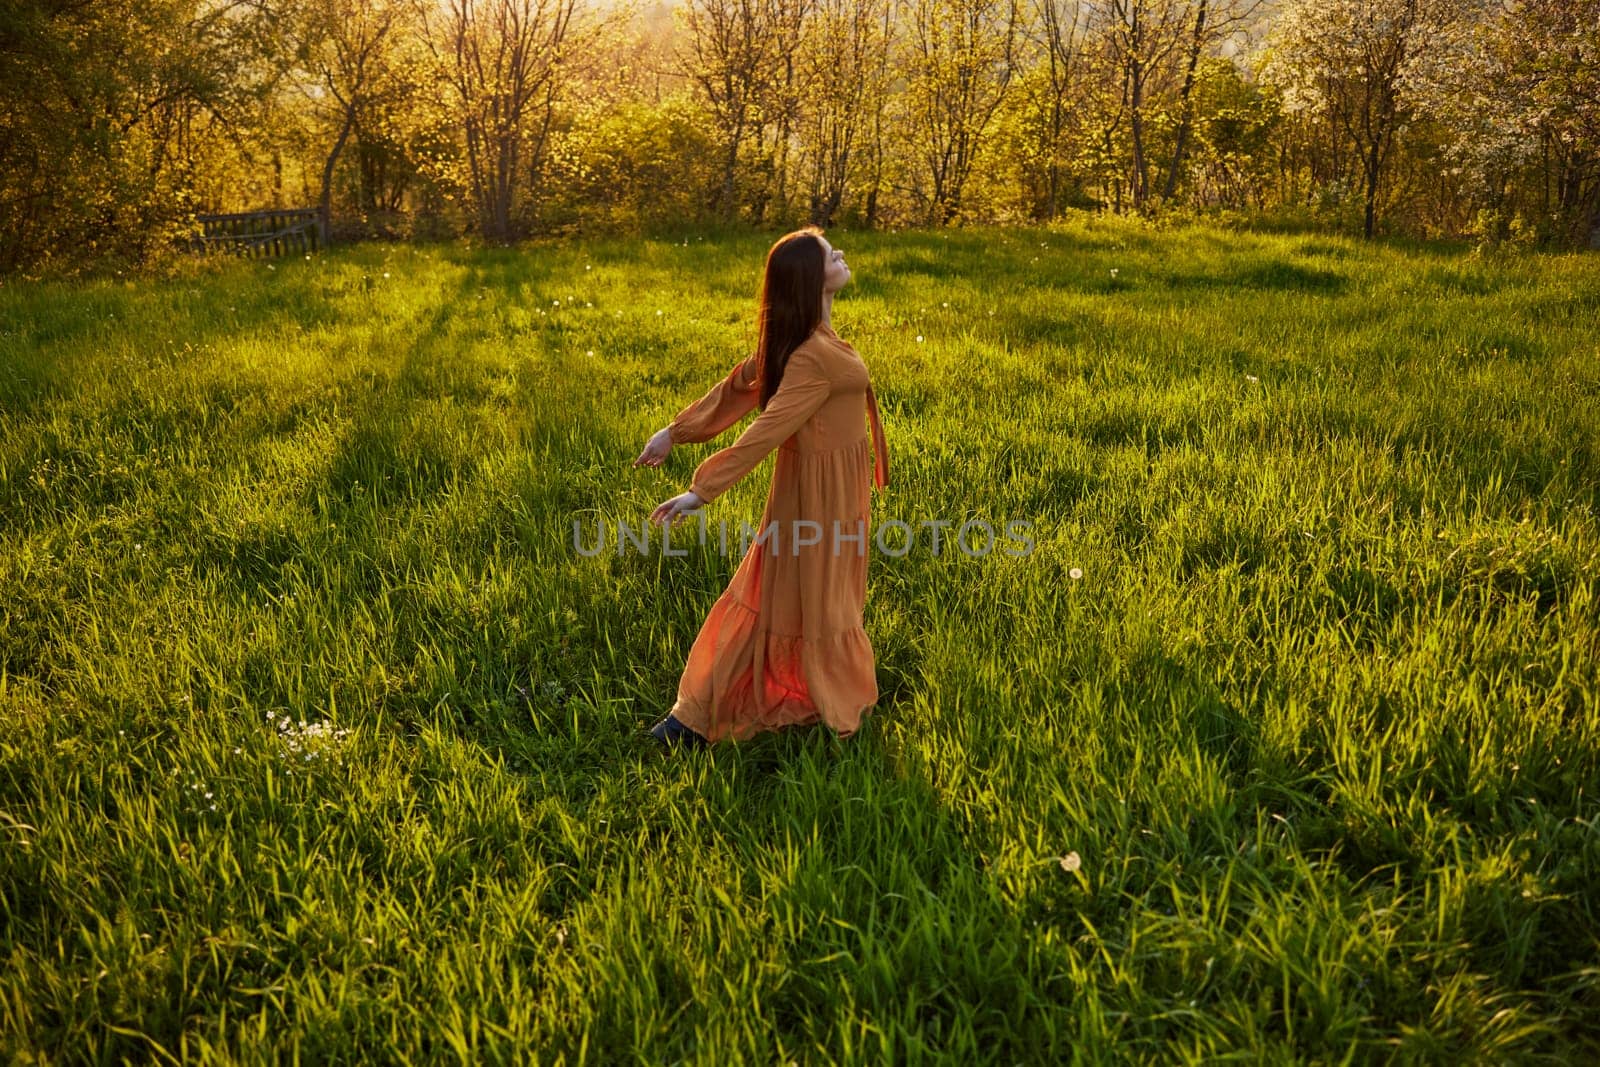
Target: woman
785, 645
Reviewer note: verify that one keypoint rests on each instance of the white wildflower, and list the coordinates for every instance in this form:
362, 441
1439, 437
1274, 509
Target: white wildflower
310, 740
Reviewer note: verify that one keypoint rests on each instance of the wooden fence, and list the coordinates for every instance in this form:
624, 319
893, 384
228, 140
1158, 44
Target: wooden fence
262, 233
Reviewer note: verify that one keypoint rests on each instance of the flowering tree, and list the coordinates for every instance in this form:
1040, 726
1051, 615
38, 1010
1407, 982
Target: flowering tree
1364, 66
1529, 109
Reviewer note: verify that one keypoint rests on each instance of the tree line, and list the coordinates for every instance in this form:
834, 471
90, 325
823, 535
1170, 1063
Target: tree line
120, 120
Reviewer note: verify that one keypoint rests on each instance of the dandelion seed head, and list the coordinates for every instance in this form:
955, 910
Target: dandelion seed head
1076, 573
1071, 862
919, 338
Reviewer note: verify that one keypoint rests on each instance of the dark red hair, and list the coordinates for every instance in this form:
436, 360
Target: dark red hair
790, 305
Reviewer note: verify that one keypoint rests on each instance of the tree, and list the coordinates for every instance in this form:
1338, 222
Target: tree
111, 112
730, 56
1209, 21
500, 62
1236, 137
1057, 32
1523, 100
1142, 36
844, 55
343, 48
1357, 62
787, 89
962, 55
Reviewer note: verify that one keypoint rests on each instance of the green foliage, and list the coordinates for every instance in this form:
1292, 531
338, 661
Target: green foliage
1022, 152
1236, 122
318, 739
109, 112
632, 166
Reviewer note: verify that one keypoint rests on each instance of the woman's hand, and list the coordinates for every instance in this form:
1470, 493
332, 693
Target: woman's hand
655, 449
668, 512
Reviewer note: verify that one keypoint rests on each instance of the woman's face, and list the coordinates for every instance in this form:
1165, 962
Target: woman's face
834, 272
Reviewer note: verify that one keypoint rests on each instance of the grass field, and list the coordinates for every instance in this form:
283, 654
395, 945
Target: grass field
318, 737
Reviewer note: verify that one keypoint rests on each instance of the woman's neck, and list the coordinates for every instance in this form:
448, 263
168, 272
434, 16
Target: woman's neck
827, 310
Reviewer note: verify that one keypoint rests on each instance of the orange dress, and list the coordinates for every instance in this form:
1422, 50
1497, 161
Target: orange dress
785, 643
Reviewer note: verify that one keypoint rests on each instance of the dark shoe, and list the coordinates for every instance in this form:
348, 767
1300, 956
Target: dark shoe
670, 731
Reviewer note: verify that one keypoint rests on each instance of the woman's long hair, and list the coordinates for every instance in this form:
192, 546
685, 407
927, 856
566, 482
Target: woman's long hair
790, 303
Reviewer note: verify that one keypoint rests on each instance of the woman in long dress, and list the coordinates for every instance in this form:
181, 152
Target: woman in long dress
785, 644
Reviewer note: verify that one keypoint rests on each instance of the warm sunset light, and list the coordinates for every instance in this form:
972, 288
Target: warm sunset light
799, 531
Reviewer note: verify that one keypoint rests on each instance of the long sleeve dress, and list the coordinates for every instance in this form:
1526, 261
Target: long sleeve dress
785, 643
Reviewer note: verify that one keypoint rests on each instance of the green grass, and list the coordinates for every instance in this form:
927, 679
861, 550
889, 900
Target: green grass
1319, 718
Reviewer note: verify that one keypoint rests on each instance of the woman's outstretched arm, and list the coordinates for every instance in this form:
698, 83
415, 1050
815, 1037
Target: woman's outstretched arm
723, 405
804, 387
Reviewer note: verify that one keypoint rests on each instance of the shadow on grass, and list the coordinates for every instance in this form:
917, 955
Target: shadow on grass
410, 439
1277, 276
845, 855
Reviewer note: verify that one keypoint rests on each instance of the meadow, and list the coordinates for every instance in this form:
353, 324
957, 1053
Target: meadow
319, 740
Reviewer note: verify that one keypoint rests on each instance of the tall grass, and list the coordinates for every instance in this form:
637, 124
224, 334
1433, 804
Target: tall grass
318, 737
